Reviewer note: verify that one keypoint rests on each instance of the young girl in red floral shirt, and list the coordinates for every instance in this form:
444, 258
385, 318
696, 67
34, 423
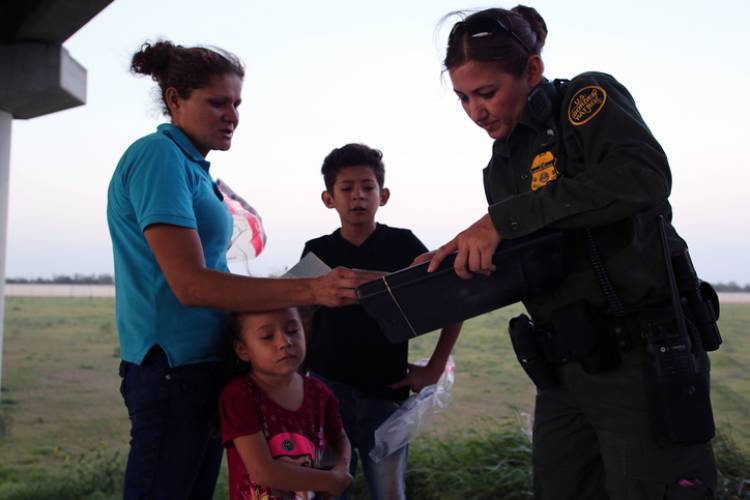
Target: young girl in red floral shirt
282, 430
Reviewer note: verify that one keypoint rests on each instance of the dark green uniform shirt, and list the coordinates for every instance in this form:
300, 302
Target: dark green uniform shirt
582, 157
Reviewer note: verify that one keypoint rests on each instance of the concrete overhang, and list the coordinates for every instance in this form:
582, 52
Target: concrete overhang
48, 21
42, 79
38, 75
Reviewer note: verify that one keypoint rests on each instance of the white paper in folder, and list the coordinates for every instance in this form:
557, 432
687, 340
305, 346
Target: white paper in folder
310, 266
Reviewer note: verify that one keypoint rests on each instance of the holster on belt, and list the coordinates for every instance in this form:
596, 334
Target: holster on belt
528, 348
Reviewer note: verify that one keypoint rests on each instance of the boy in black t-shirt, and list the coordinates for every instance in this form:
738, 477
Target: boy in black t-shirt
369, 376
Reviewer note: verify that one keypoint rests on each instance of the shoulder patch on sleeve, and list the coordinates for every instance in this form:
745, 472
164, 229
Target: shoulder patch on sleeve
586, 104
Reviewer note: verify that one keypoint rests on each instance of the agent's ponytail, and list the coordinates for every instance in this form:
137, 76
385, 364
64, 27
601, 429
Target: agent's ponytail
535, 22
505, 37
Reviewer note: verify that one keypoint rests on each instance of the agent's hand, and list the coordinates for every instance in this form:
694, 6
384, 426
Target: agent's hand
338, 287
419, 377
341, 480
475, 246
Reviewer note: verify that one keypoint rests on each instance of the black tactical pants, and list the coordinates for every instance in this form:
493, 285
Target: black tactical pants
592, 441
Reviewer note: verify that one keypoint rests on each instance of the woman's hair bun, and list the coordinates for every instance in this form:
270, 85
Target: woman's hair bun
152, 59
183, 68
536, 22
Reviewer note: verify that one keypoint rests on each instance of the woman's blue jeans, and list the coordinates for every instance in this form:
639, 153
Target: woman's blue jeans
175, 448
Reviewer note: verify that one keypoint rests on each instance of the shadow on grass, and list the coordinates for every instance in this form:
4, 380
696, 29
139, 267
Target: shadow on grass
734, 469
4, 422
491, 465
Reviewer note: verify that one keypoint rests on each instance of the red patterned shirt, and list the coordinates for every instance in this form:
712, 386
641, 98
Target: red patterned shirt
299, 436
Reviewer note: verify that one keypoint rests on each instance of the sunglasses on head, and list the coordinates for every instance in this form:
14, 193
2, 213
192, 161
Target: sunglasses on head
482, 27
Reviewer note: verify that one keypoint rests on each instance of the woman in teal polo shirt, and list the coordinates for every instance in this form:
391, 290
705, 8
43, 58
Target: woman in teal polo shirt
170, 231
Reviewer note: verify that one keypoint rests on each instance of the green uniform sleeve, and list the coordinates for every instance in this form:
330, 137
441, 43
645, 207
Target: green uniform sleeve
613, 167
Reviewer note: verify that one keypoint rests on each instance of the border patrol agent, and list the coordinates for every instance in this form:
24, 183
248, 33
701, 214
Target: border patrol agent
617, 350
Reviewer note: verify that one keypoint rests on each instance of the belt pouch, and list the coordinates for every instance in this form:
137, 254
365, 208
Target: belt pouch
676, 383
525, 340
587, 336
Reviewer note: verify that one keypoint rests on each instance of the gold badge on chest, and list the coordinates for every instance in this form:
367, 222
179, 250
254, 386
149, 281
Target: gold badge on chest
543, 170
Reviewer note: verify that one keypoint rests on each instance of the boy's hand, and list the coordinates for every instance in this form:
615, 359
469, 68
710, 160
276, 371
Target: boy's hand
338, 287
419, 377
425, 257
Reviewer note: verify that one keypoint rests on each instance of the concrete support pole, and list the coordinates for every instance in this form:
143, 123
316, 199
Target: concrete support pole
38, 77
6, 120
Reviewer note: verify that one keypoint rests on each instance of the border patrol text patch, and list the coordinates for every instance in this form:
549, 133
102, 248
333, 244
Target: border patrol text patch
586, 104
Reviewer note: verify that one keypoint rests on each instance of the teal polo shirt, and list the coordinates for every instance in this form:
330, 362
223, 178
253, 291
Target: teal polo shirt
163, 179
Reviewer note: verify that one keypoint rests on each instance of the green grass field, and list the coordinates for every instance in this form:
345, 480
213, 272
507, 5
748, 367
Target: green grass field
61, 411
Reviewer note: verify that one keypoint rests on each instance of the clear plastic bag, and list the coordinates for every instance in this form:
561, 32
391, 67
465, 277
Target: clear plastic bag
410, 419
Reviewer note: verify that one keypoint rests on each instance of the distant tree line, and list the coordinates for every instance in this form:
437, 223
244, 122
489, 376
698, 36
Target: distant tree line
731, 287
107, 279
64, 279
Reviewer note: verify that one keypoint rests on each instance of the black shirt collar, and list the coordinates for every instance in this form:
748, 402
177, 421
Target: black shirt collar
373, 237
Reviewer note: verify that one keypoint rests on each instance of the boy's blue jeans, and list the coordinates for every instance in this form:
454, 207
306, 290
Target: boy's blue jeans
361, 416
174, 453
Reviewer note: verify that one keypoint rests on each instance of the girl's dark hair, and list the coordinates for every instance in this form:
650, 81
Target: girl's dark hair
184, 68
504, 37
234, 327
235, 366
352, 155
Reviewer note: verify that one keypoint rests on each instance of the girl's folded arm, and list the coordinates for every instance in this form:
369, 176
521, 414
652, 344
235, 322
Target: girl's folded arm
342, 451
275, 474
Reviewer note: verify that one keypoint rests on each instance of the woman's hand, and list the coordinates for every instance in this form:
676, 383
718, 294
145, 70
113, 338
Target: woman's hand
339, 287
475, 246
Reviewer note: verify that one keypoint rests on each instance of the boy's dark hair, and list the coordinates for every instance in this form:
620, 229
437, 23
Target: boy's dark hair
352, 155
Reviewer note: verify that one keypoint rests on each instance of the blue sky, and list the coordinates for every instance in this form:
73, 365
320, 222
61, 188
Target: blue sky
321, 74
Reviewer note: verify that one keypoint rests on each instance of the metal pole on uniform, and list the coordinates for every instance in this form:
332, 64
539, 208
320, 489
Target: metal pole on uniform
6, 121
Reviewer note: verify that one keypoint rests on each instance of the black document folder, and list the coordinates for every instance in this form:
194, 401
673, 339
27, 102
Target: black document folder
413, 302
